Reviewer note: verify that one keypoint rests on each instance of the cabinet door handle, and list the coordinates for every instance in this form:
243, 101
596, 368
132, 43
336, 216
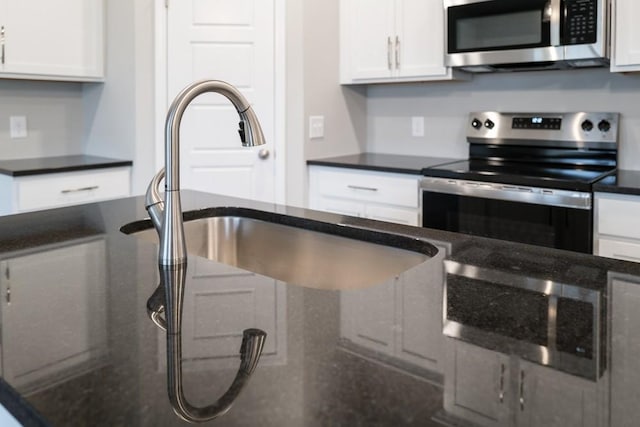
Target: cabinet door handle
7, 275
2, 44
357, 187
389, 54
397, 53
521, 390
78, 190
503, 368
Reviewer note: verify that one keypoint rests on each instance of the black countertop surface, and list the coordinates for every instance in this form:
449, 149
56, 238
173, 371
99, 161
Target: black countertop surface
622, 182
43, 165
80, 348
383, 162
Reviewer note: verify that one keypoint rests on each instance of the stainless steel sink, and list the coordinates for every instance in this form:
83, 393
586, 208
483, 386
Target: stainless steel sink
295, 254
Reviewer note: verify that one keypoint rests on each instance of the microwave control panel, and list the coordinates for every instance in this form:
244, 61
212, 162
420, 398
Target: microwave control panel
580, 22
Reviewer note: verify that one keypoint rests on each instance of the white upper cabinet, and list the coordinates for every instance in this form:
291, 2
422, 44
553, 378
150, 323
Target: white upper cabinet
392, 40
45, 40
625, 32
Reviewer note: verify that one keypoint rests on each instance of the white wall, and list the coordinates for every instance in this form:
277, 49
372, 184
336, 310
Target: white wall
54, 118
119, 119
445, 107
313, 89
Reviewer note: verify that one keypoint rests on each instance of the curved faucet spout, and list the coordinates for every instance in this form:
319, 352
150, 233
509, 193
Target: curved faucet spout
172, 246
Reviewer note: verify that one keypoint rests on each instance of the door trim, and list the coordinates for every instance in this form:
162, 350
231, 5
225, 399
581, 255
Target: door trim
162, 101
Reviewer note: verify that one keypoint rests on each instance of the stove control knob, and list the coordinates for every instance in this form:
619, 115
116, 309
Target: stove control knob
489, 124
587, 125
604, 126
476, 124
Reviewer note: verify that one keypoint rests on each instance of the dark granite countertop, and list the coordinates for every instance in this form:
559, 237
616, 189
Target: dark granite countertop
383, 162
43, 165
79, 346
622, 182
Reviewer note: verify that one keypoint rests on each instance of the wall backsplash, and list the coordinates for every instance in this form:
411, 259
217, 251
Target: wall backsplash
54, 114
445, 107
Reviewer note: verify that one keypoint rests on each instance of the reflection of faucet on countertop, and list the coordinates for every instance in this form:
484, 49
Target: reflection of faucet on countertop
174, 277
167, 215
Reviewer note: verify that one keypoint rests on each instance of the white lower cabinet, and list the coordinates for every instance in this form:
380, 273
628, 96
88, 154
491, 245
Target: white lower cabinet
616, 234
220, 302
488, 388
400, 319
51, 335
44, 191
382, 196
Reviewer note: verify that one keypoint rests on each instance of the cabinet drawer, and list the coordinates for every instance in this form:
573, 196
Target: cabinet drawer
627, 251
386, 188
61, 189
618, 216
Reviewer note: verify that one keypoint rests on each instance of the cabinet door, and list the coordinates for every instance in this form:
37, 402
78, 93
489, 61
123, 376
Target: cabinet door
367, 39
625, 348
419, 308
54, 39
547, 397
367, 317
477, 385
47, 335
420, 38
626, 36
220, 302
628, 251
338, 206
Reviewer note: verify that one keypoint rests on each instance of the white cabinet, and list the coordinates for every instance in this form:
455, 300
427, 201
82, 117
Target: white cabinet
220, 302
489, 388
53, 313
61, 40
625, 55
392, 40
44, 191
382, 196
400, 319
616, 234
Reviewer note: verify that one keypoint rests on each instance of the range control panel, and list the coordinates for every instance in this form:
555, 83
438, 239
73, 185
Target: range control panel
580, 129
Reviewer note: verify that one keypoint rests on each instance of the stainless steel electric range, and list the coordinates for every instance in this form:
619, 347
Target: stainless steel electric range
528, 178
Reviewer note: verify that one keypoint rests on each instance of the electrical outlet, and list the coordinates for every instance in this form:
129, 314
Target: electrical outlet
18, 126
417, 126
316, 127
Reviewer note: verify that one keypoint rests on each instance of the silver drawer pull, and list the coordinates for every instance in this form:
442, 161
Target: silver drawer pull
357, 187
79, 190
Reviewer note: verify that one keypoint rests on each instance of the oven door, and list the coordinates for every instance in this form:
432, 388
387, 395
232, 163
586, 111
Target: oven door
538, 216
502, 32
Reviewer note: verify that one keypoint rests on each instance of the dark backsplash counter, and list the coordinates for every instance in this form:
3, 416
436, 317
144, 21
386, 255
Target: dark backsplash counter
44, 165
94, 307
382, 162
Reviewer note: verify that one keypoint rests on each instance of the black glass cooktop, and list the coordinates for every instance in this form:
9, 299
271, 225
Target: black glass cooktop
562, 177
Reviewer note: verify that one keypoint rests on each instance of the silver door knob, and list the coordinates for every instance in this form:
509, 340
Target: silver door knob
263, 154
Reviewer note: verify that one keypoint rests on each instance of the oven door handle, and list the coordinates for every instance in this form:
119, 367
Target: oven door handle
510, 193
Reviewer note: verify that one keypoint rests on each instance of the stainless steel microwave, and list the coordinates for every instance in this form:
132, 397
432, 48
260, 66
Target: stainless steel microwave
508, 35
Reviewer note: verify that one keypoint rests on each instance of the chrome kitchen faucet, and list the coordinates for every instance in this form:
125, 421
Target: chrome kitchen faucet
167, 215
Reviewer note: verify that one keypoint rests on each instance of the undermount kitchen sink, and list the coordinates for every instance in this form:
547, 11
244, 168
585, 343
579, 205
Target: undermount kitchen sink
294, 250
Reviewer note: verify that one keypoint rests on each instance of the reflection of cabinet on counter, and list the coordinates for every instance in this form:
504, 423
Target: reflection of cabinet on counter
44, 191
489, 388
382, 196
220, 302
400, 319
53, 313
616, 233
61, 40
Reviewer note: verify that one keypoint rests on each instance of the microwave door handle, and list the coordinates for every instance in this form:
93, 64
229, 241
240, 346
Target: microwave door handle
554, 8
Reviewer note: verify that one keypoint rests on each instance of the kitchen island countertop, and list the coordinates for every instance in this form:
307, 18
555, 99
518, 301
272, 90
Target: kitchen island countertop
79, 286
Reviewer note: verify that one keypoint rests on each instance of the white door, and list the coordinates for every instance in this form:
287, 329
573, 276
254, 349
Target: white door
230, 40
